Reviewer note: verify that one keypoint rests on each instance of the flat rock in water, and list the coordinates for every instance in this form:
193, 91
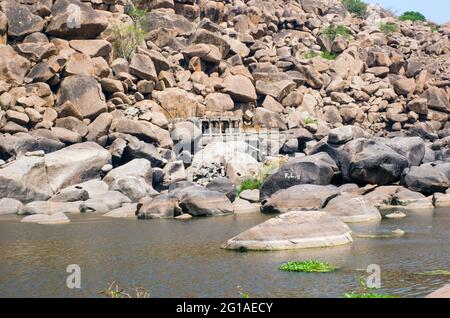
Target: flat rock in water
57, 218
127, 211
293, 230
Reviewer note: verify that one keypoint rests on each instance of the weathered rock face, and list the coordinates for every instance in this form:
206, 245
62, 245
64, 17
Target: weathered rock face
75, 164
428, 178
48, 219
13, 66
10, 206
25, 179
293, 230
85, 94
316, 169
240, 88
139, 129
372, 162
42, 207
352, 209
299, 197
412, 148
21, 21
223, 185
205, 203
73, 19
162, 206
127, 211
177, 103
133, 179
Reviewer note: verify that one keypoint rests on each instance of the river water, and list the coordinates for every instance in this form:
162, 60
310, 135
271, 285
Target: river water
183, 258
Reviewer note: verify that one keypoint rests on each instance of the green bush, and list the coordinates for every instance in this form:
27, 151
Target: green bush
412, 16
249, 184
332, 32
310, 121
328, 56
357, 7
307, 267
388, 27
310, 54
126, 39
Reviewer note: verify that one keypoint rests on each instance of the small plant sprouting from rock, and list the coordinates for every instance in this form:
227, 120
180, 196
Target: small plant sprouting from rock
310, 121
115, 291
357, 7
242, 292
309, 266
127, 38
388, 27
328, 56
310, 54
412, 16
249, 184
332, 32
434, 28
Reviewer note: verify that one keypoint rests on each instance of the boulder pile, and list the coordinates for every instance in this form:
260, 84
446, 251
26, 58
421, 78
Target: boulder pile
97, 99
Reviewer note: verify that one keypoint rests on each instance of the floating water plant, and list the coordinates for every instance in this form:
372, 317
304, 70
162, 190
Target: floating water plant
438, 272
307, 267
368, 295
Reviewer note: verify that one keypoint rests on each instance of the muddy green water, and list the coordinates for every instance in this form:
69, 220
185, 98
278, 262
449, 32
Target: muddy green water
183, 259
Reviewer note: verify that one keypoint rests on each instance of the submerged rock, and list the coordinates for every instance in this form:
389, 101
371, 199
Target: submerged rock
57, 218
126, 211
293, 230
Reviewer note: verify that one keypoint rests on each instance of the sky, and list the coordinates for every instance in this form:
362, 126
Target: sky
435, 10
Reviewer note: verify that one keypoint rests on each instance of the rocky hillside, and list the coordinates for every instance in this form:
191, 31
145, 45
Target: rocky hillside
93, 94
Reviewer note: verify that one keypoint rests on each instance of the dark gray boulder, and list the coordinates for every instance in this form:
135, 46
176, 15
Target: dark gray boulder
372, 162
428, 178
315, 169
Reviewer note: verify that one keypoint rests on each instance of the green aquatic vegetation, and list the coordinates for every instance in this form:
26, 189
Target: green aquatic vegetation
438, 272
365, 293
368, 295
357, 7
115, 291
242, 292
332, 32
412, 16
388, 27
328, 56
249, 184
308, 266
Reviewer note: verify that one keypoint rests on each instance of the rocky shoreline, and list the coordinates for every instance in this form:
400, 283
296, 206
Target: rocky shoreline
362, 135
